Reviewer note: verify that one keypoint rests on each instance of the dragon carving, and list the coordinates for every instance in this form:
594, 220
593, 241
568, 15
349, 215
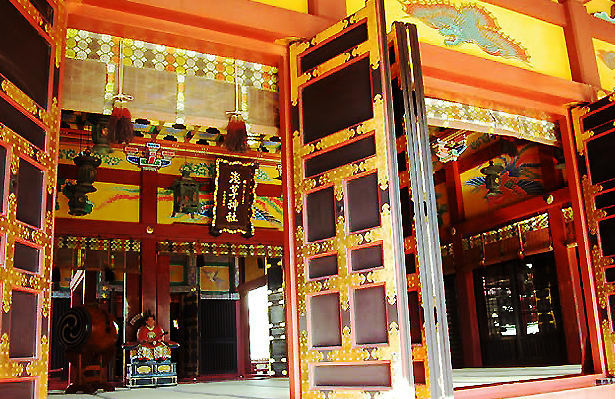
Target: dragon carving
468, 23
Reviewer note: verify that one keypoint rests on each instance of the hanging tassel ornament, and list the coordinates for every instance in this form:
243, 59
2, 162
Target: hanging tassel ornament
236, 139
120, 123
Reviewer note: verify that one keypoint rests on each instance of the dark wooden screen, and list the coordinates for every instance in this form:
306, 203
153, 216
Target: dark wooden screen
218, 336
594, 136
277, 319
350, 291
31, 49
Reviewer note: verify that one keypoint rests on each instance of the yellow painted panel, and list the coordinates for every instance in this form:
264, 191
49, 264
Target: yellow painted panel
115, 160
605, 54
486, 31
594, 6
353, 6
294, 5
198, 167
110, 201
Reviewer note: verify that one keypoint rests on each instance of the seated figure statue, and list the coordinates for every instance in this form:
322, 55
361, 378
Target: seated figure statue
151, 344
150, 357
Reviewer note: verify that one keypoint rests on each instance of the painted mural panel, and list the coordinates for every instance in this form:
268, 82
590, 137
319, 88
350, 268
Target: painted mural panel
214, 278
267, 210
502, 181
112, 202
115, 160
605, 54
198, 167
484, 30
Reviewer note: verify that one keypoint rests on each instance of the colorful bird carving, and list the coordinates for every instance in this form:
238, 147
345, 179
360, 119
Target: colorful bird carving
468, 23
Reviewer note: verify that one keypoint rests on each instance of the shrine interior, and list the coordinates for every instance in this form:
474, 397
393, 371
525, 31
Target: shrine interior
230, 209
504, 218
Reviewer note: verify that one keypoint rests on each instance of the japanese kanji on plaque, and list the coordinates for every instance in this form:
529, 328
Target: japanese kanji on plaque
233, 197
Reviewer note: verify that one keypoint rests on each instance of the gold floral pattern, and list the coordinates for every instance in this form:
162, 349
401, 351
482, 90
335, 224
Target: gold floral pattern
592, 214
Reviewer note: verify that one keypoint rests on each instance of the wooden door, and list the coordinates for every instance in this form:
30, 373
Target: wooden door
349, 293
31, 50
590, 153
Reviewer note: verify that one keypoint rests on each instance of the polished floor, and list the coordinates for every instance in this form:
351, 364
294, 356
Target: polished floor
244, 389
278, 388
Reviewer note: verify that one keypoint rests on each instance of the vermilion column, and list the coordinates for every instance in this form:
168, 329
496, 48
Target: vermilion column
466, 303
571, 299
163, 294
333, 9
578, 32
148, 217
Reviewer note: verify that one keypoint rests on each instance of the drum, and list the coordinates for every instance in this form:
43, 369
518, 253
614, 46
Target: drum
87, 329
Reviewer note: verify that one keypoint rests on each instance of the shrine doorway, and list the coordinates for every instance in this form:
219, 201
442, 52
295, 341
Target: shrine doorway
519, 312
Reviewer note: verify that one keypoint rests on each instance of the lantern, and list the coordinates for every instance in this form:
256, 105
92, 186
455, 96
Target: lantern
492, 178
100, 134
86, 175
185, 194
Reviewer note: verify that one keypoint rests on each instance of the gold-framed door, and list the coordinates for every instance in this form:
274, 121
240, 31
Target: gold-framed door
350, 293
589, 147
32, 38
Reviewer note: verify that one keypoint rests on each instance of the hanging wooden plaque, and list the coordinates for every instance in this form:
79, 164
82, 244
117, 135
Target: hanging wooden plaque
233, 197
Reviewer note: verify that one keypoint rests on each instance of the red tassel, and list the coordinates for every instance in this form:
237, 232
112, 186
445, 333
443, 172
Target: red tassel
120, 126
236, 139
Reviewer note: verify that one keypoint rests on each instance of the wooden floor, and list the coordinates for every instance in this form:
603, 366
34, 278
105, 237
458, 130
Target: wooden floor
278, 388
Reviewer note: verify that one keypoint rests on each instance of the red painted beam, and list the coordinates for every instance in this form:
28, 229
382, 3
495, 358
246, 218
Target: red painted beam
196, 232
232, 28
516, 211
497, 86
602, 29
162, 232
